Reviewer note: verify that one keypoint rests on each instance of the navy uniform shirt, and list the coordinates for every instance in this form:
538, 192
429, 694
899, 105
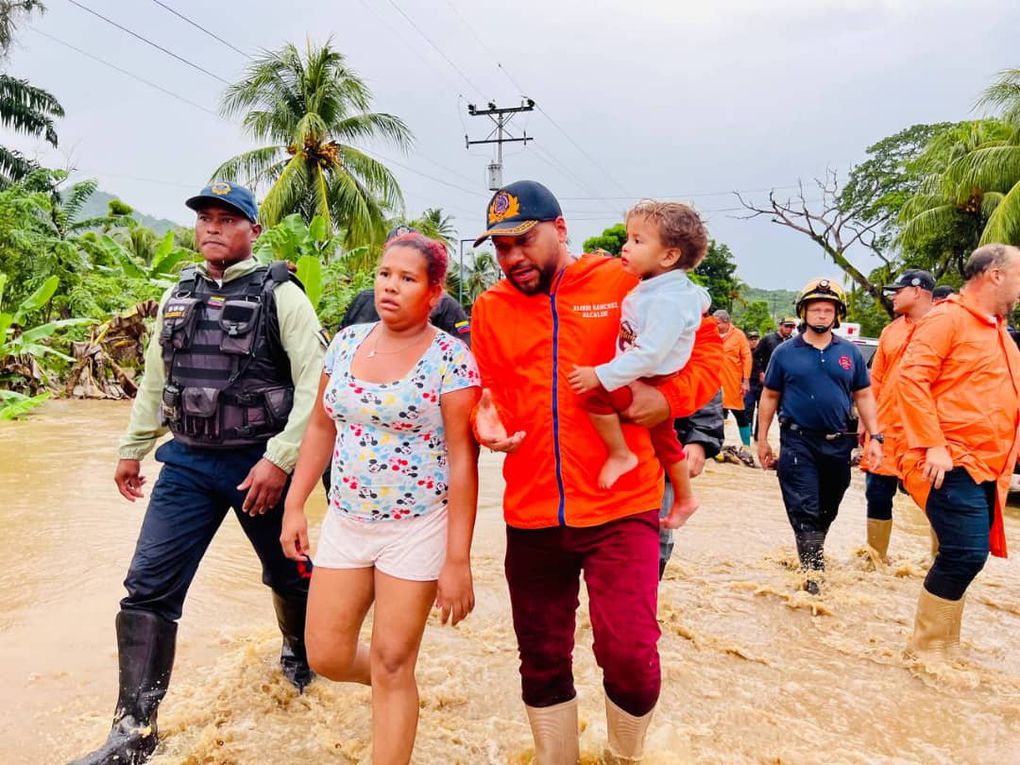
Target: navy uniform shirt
816, 387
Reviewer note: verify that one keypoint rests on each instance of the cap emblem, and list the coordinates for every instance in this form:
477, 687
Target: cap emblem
221, 188
504, 205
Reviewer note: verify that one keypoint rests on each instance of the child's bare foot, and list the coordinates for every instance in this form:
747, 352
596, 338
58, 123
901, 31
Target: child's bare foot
614, 467
680, 512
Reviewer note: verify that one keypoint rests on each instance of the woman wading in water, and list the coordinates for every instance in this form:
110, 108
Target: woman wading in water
396, 401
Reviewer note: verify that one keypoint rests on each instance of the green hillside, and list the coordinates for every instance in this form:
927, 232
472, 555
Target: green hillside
96, 206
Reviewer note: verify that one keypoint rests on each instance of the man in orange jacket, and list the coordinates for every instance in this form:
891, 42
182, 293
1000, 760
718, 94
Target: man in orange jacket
911, 299
958, 394
736, 376
553, 312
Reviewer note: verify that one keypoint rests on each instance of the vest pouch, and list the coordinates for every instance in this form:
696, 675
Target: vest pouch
179, 317
279, 402
201, 408
238, 320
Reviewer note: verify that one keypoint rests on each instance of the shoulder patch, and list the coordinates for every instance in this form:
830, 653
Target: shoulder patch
324, 338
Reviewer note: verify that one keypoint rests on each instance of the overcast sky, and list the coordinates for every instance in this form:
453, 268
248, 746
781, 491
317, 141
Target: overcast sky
663, 98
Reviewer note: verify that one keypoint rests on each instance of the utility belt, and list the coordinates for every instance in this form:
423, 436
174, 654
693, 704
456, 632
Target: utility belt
224, 418
785, 423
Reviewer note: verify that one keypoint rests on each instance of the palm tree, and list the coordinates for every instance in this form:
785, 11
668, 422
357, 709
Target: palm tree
435, 225
314, 108
980, 177
24, 108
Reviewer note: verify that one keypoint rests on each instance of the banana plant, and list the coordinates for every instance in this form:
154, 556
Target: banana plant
22, 349
162, 271
306, 245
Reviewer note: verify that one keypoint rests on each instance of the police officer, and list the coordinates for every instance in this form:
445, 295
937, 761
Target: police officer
231, 371
813, 380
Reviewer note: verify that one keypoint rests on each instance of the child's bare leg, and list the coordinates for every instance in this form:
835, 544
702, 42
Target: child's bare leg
684, 502
620, 459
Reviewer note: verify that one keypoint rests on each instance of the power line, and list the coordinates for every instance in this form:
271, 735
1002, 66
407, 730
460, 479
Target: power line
499, 65
132, 75
437, 49
195, 24
147, 41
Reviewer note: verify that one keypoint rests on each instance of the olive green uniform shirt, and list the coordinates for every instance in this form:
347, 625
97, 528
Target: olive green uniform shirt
303, 341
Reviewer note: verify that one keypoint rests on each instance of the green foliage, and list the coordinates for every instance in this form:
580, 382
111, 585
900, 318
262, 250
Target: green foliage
313, 109
611, 240
718, 274
24, 108
14, 405
340, 285
756, 315
24, 350
480, 271
863, 309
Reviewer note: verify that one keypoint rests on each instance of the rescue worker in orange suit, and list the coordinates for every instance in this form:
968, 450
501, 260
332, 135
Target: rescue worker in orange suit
555, 311
911, 299
812, 380
958, 395
736, 373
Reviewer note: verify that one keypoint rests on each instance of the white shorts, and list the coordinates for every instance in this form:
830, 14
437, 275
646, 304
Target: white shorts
412, 548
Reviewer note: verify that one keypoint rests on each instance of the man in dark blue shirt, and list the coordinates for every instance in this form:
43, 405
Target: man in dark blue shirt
814, 379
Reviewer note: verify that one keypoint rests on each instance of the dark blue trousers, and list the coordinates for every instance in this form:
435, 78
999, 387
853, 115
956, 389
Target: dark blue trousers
814, 473
961, 514
879, 491
195, 489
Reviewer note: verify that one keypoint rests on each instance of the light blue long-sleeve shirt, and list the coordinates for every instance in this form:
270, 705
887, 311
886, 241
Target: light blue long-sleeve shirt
659, 319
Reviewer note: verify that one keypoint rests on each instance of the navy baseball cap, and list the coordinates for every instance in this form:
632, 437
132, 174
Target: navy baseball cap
912, 278
232, 195
516, 209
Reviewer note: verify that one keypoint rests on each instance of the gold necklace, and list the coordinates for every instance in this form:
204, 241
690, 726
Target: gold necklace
375, 346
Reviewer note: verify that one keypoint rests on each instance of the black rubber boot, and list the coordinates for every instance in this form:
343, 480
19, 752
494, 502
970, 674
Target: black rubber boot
290, 615
145, 644
810, 550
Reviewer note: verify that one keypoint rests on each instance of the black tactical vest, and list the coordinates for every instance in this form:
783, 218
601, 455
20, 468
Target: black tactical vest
228, 380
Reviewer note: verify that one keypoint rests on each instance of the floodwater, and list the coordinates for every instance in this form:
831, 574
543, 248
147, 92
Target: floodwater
754, 671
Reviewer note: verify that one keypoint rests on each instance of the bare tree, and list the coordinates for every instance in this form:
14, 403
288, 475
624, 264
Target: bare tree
835, 227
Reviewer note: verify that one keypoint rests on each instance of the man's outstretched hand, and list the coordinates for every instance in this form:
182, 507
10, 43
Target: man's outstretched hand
490, 429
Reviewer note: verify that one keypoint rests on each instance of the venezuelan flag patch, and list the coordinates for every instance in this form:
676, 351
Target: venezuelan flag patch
217, 301
462, 327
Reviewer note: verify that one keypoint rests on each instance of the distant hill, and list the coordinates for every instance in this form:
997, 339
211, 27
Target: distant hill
97, 206
779, 301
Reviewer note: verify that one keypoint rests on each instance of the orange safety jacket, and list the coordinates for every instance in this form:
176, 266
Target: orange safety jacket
526, 346
884, 371
959, 387
737, 367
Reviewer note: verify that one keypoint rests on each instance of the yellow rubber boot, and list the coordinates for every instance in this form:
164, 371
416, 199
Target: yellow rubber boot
936, 629
555, 732
626, 735
878, 537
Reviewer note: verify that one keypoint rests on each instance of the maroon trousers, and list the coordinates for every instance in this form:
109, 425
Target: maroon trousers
620, 561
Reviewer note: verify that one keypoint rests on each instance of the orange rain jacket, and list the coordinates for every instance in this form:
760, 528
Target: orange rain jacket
959, 387
736, 367
526, 346
884, 371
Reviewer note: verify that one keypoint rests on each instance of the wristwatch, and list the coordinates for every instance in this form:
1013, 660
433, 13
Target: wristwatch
878, 437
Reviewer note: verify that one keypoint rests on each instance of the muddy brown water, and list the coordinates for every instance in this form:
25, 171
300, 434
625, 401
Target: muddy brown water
754, 671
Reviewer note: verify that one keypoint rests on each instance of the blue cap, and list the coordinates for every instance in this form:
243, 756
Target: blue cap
516, 209
232, 195
914, 277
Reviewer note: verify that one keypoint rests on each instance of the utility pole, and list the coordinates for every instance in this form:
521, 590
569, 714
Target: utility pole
499, 135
